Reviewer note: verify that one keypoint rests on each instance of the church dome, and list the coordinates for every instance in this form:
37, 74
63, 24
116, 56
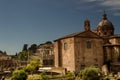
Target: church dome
105, 27
105, 24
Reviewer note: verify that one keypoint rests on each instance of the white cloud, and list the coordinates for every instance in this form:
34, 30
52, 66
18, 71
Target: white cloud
109, 5
89, 0
112, 5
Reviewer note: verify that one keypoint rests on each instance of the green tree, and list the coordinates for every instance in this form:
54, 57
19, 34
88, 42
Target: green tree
1, 51
29, 69
33, 48
25, 47
90, 73
48, 42
32, 67
23, 56
19, 75
35, 64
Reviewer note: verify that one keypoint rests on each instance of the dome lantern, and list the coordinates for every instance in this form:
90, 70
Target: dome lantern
104, 16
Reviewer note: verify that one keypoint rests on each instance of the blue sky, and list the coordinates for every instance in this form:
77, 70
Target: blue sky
37, 21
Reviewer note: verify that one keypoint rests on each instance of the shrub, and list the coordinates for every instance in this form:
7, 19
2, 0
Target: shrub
32, 67
70, 76
43, 76
19, 75
90, 73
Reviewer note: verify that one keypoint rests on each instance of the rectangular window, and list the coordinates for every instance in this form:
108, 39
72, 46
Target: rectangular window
88, 44
65, 46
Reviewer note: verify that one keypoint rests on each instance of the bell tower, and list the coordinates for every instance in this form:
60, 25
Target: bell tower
87, 25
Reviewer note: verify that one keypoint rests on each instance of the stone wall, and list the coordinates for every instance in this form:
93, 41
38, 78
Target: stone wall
64, 54
112, 50
88, 56
68, 57
114, 40
56, 54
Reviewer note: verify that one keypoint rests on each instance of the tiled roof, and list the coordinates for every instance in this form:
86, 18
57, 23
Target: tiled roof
78, 34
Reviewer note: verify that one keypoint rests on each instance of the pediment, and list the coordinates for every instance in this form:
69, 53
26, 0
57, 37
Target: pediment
88, 34
85, 34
